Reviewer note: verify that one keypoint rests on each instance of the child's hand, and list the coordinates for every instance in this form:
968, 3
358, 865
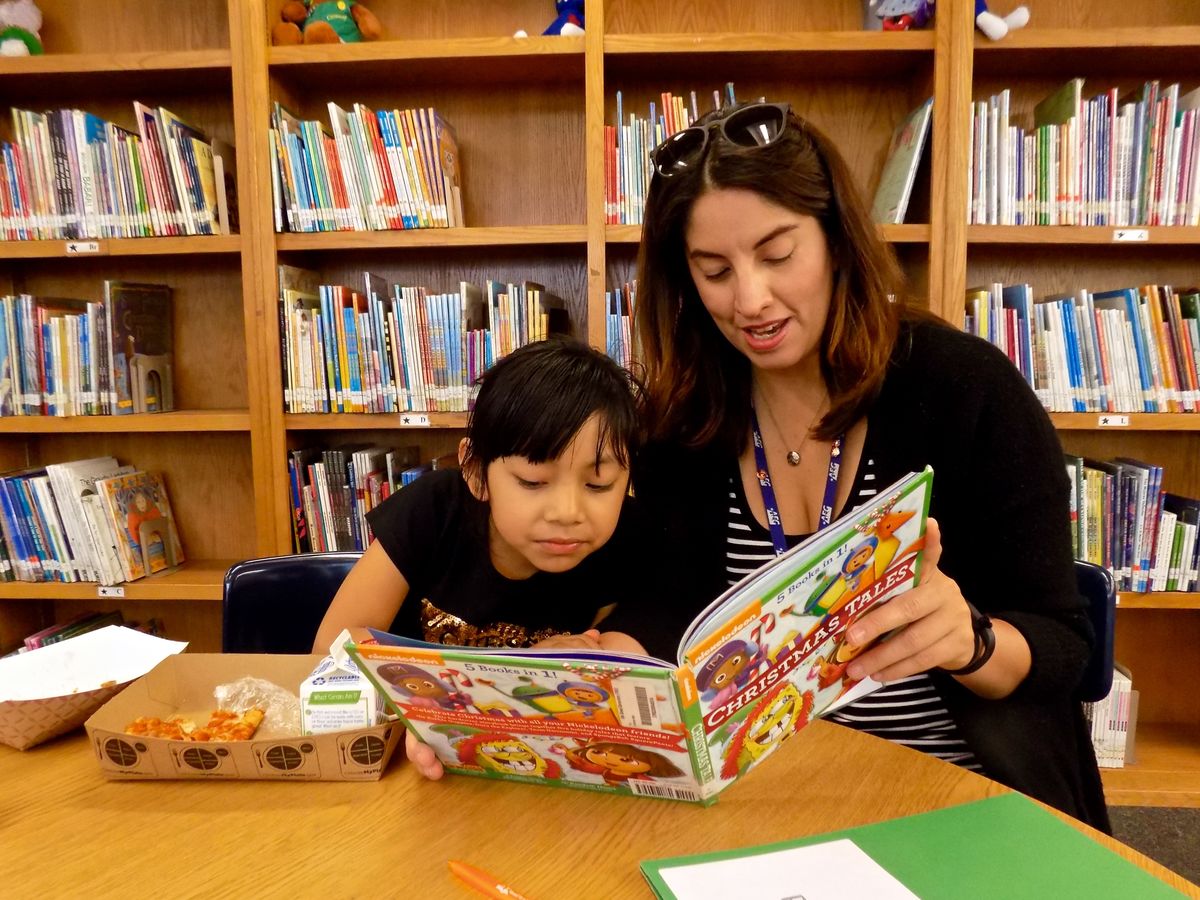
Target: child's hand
620, 642
589, 640
423, 757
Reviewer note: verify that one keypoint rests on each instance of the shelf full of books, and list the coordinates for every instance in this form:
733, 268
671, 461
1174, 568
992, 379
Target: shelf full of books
69, 174
1124, 519
1114, 159
384, 348
1131, 350
369, 170
86, 520
333, 488
74, 357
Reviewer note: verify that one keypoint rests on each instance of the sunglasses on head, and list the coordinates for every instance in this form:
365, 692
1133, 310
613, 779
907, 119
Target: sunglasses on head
754, 125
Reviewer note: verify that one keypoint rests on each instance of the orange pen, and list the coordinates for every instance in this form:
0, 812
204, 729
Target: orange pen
486, 884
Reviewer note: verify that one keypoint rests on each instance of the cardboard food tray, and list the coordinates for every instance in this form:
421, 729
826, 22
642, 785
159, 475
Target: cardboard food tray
184, 684
26, 723
53, 690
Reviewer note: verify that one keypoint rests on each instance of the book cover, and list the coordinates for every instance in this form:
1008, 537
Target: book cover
140, 514
71, 482
752, 669
142, 342
900, 169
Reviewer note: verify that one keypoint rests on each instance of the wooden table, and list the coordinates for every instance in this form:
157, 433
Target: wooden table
66, 831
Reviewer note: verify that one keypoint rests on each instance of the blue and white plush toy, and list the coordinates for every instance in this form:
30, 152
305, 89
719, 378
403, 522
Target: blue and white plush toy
996, 27
568, 21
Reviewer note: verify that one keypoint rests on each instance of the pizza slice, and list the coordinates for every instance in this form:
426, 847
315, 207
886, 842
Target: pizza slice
223, 725
227, 725
175, 728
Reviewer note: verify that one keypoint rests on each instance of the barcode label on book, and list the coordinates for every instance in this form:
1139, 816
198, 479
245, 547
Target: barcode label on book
1113, 422
636, 705
664, 791
414, 420
1136, 235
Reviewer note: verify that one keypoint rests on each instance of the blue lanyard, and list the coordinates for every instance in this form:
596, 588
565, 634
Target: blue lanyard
774, 523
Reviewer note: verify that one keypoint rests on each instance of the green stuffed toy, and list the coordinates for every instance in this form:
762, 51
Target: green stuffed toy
325, 22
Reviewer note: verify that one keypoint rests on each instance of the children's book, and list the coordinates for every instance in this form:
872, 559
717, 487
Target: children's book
71, 482
900, 170
141, 345
140, 515
753, 668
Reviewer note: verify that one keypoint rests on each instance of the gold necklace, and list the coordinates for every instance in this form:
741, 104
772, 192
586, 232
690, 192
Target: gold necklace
793, 455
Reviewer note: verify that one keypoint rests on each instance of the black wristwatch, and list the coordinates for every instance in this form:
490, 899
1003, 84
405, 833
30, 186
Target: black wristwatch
985, 643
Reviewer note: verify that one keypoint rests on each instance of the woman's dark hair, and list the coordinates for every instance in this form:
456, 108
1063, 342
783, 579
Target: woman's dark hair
533, 402
697, 385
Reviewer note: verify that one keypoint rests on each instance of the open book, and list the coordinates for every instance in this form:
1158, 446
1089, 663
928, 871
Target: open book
753, 668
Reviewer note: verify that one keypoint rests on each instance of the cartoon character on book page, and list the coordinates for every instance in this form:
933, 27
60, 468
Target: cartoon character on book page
494, 753
757, 730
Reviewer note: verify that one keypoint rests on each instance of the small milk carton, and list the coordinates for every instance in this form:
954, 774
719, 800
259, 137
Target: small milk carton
336, 696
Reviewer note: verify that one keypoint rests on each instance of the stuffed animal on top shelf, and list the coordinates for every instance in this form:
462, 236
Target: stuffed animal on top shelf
325, 22
996, 27
20, 22
901, 15
568, 21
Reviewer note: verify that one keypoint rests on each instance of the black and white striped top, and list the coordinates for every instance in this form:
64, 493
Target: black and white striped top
910, 711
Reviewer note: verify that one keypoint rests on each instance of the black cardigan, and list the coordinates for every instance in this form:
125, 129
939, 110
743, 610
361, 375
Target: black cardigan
1000, 494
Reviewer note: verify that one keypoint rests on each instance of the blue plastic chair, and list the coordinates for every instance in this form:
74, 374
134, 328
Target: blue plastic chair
1097, 585
275, 604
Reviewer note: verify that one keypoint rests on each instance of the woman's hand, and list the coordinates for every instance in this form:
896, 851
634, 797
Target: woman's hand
423, 757
935, 631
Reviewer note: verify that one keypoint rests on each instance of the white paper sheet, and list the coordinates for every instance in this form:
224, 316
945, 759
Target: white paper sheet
836, 870
83, 663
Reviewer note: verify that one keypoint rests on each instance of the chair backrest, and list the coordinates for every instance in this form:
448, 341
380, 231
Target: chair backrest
1097, 586
275, 604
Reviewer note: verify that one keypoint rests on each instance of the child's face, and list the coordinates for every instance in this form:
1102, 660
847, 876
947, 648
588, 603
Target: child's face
549, 516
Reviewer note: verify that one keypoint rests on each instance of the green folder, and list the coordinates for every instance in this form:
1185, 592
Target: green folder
1002, 847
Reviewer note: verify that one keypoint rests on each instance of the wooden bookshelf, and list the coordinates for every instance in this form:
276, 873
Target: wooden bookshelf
497, 236
375, 421
183, 60
194, 580
530, 115
1110, 44
150, 246
1127, 238
893, 234
141, 423
1166, 771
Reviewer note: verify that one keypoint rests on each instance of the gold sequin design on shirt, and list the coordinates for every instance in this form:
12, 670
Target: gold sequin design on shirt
440, 627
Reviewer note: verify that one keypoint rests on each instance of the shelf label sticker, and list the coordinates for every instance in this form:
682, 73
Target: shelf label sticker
76, 248
110, 590
1113, 422
1131, 235
414, 420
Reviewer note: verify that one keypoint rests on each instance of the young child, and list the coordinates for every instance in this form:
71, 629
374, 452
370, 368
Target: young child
528, 543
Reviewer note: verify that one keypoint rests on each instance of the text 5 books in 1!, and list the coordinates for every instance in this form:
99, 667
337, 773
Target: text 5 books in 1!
755, 667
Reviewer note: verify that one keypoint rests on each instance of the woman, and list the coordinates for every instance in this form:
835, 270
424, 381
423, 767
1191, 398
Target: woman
771, 342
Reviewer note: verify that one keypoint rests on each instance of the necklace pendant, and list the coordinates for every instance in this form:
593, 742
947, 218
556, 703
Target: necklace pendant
793, 457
